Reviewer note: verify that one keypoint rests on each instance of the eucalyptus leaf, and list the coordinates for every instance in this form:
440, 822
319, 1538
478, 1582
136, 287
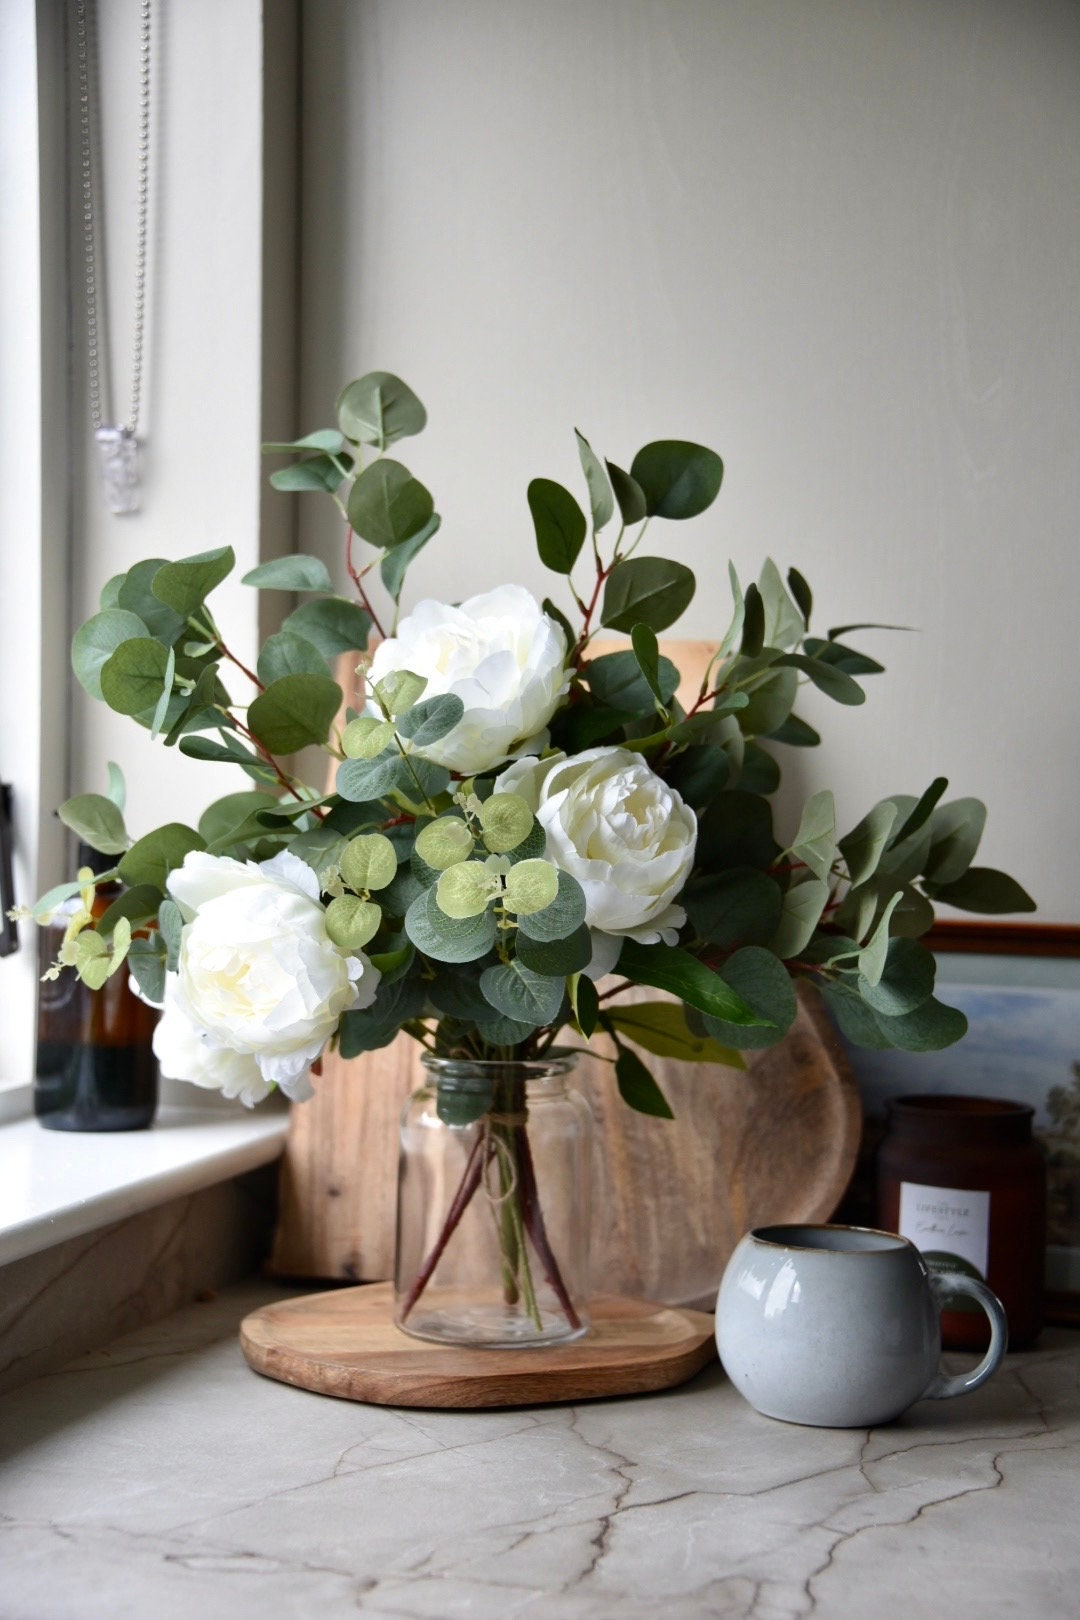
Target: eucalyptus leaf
517, 992
753, 624
956, 831
314, 474
230, 819
862, 848
379, 409
117, 786
185, 585
678, 479
448, 939
907, 979
830, 680
841, 657
136, 596
139, 906
428, 721
97, 821
133, 677
983, 889
326, 439
815, 841
873, 954
930, 1027
618, 681
393, 567
564, 916
601, 500
161, 709
557, 957
784, 624
585, 1003
332, 625
388, 506
920, 814
374, 1027
802, 594
795, 733
151, 859
171, 927
633, 506
559, 523
647, 653
294, 711
646, 590
289, 654
800, 913
736, 906
97, 640
148, 971
736, 830
764, 985
296, 572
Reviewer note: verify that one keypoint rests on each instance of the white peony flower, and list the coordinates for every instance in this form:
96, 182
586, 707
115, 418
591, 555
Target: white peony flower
501, 655
186, 1052
260, 987
617, 827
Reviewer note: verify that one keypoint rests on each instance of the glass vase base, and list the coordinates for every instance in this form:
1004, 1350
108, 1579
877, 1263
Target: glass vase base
488, 1325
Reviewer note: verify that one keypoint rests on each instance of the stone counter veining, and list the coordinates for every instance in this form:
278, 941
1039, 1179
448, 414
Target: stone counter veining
162, 1480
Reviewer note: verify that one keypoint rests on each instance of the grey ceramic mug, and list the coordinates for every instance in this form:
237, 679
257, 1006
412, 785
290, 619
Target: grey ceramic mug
838, 1326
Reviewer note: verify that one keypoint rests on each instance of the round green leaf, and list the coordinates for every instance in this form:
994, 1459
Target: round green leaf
331, 624
388, 506
133, 677
907, 979
531, 886
678, 479
563, 916
136, 595
647, 590
465, 889
97, 640
557, 957
444, 843
425, 723
289, 654
629, 494
399, 690
763, 984
97, 821
351, 922
186, 584
506, 821
379, 409
369, 862
448, 939
151, 859
517, 992
292, 712
366, 737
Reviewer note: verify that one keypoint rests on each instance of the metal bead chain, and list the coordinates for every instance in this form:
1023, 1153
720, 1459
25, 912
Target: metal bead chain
85, 52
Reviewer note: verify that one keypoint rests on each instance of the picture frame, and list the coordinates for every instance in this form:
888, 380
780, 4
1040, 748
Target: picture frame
1019, 986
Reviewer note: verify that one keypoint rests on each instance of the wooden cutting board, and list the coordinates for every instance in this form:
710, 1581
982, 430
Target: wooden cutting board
345, 1344
776, 1143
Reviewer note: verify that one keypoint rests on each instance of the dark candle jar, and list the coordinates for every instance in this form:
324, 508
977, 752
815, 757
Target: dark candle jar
95, 1068
965, 1180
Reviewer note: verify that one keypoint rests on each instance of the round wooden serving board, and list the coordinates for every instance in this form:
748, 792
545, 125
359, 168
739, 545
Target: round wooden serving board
345, 1343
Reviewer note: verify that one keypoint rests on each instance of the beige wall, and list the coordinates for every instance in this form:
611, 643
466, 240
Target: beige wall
839, 241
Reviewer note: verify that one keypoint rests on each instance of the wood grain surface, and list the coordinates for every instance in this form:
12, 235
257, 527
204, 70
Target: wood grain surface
345, 1343
776, 1143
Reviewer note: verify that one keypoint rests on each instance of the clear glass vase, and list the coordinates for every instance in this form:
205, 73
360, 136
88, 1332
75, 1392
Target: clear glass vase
493, 1205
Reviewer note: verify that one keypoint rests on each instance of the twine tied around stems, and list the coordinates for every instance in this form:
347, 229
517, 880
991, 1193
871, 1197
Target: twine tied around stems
496, 1149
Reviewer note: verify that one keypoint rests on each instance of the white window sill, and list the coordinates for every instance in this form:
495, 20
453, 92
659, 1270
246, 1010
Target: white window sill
56, 1185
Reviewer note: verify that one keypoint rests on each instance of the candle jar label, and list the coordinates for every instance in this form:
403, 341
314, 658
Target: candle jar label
949, 1225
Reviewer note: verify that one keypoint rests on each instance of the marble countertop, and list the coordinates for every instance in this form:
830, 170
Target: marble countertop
162, 1477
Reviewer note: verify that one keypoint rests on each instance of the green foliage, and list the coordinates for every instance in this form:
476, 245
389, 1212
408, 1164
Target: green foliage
388, 506
646, 590
294, 711
152, 858
661, 1028
289, 654
637, 1088
448, 939
505, 820
633, 506
518, 992
331, 625
559, 523
97, 640
97, 821
678, 480
618, 681
296, 572
562, 917
133, 676
379, 409
601, 500
666, 967
185, 585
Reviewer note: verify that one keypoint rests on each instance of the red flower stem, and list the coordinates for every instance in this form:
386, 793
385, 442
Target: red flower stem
358, 582
533, 1219
470, 1181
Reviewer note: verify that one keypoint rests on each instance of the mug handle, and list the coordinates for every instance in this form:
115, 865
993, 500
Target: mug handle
942, 1286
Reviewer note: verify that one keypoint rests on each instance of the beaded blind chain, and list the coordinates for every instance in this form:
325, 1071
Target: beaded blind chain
117, 442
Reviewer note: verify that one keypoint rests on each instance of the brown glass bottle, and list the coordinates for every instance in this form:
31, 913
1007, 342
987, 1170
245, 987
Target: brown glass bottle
965, 1180
95, 1069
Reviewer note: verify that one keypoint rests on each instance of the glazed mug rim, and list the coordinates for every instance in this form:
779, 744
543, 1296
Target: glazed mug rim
890, 1242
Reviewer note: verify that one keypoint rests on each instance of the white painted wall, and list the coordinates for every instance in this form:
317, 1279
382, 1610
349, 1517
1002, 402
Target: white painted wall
203, 406
839, 241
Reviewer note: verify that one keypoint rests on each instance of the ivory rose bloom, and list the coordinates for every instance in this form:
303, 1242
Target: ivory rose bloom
501, 655
260, 987
617, 827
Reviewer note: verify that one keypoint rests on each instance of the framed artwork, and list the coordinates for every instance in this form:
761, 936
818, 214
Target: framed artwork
1019, 986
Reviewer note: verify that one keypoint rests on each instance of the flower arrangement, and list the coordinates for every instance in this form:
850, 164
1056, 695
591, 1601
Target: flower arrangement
514, 817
